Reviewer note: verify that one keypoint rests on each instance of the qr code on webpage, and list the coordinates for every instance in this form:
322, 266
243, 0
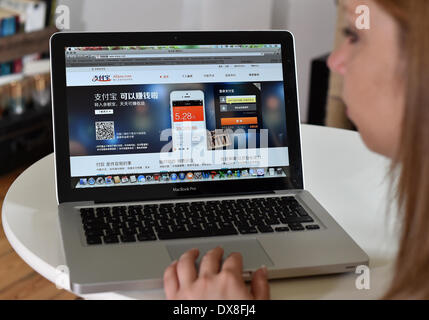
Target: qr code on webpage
105, 130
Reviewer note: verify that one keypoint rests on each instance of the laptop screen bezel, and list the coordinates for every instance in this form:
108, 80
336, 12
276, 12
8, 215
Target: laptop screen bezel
66, 193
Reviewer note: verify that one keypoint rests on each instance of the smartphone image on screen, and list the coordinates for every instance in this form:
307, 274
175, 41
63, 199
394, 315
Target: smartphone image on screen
188, 120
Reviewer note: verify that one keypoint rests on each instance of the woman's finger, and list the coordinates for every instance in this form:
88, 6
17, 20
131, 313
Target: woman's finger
171, 282
210, 263
259, 286
234, 264
186, 271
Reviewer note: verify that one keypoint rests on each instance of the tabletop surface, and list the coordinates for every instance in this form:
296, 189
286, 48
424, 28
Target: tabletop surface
345, 177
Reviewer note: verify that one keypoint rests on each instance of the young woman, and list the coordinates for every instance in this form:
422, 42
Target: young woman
386, 74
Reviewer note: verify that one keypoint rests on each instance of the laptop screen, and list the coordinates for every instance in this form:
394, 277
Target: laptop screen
141, 115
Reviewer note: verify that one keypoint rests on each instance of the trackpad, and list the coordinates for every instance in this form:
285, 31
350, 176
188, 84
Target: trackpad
254, 256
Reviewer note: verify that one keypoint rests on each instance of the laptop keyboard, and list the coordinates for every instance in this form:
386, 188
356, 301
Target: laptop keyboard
194, 219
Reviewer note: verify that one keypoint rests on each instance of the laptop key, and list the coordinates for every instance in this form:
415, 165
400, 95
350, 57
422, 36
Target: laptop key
146, 237
95, 232
113, 232
195, 228
225, 232
111, 239
282, 229
178, 228
248, 230
272, 221
128, 238
225, 225
134, 224
265, 229
162, 229
92, 221
87, 213
307, 219
296, 220
208, 232
296, 226
312, 227
145, 230
301, 211
102, 212
93, 240
113, 219
149, 223
182, 235
90, 227
115, 225
129, 231
86, 210
129, 218
287, 198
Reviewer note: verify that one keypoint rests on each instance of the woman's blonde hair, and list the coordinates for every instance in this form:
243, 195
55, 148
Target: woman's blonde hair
411, 278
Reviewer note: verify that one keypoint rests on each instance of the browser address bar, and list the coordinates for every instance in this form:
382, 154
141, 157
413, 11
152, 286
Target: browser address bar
178, 55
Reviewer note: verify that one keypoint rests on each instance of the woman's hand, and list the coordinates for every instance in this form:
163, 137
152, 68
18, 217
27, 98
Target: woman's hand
213, 281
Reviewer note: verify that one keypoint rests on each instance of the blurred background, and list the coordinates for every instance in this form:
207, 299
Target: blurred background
25, 108
311, 21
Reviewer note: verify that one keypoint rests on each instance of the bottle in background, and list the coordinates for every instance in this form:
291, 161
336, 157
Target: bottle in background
41, 95
16, 103
4, 96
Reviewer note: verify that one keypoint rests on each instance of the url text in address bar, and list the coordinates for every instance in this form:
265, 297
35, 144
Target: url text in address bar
179, 55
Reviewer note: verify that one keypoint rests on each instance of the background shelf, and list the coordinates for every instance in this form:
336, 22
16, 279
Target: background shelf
21, 44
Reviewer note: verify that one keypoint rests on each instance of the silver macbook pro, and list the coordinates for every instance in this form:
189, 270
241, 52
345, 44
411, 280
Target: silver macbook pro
166, 141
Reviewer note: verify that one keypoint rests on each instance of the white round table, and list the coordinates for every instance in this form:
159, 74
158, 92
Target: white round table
348, 180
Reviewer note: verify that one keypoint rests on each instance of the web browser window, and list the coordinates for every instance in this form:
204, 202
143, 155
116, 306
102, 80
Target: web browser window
167, 114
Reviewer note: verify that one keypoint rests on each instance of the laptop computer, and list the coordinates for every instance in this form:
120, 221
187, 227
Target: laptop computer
166, 141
